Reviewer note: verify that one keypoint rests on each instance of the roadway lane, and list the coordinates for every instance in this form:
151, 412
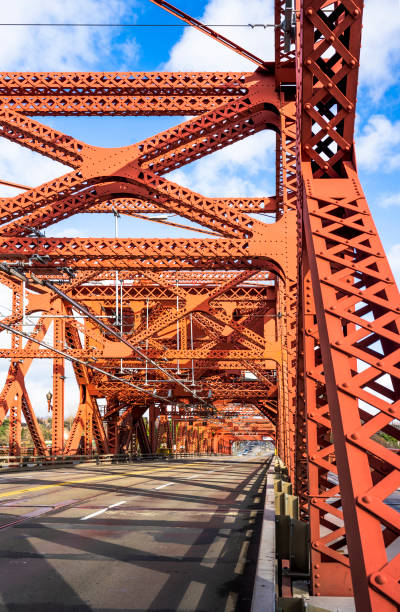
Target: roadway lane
177, 536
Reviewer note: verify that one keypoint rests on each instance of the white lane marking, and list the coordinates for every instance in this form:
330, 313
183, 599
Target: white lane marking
164, 485
198, 475
211, 557
192, 596
84, 518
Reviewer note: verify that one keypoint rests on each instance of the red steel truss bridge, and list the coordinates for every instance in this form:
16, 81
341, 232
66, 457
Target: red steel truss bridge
283, 326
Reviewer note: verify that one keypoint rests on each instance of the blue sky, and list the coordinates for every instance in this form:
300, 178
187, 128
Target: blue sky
248, 168
245, 169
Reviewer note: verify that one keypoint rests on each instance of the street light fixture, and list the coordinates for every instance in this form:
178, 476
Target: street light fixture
49, 396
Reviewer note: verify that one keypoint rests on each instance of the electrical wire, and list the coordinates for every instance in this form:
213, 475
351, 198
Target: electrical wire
81, 361
179, 225
141, 25
106, 328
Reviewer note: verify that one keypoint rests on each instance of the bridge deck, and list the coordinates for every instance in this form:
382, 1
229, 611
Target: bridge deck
179, 536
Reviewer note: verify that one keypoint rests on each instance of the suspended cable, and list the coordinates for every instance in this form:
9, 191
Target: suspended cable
140, 25
81, 361
208, 31
82, 309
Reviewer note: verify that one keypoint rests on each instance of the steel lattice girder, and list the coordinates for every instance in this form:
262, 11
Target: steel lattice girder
322, 344
116, 93
357, 310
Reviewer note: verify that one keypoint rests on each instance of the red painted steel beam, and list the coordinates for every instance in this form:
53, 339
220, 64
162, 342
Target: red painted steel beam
357, 308
211, 33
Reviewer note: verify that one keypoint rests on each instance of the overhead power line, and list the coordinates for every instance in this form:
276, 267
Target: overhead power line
140, 25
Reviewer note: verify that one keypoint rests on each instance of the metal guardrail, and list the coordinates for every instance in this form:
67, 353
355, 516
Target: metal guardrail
8, 462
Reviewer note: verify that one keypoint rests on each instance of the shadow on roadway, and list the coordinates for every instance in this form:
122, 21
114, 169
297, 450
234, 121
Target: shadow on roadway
218, 588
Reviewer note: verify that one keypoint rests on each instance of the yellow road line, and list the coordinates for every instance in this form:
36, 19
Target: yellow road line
90, 479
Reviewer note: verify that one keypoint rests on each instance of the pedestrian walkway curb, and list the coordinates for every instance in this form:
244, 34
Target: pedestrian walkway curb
264, 584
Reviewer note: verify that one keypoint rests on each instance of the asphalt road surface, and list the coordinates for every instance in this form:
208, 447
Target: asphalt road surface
154, 536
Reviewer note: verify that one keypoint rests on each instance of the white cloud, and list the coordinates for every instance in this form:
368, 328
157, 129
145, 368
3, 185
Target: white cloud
39, 378
24, 167
39, 381
129, 52
54, 48
196, 51
59, 49
241, 169
394, 260
245, 169
68, 232
47, 49
380, 51
392, 199
5, 309
376, 144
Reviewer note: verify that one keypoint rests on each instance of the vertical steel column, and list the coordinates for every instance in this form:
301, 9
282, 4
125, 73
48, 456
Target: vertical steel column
58, 390
330, 567
16, 401
357, 305
15, 426
153, 428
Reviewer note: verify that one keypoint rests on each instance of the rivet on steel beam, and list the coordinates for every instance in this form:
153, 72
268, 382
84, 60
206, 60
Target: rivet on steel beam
391, 410
356, 12
309, 11
366, 499
307, 106
316, 565
326, 167
308, 62
353, 436
380, 579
